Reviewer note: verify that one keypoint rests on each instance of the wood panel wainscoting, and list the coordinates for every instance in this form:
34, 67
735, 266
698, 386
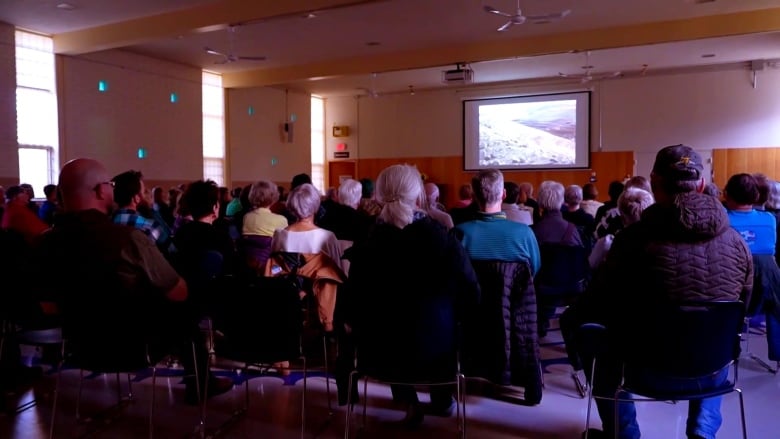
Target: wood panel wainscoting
448, 173
729, 161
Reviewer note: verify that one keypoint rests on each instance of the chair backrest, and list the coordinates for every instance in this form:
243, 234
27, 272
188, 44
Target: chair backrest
265, 323
688, 339
564, 269
254, 251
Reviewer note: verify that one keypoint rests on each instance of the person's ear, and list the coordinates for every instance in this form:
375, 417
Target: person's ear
503, 194
700, 187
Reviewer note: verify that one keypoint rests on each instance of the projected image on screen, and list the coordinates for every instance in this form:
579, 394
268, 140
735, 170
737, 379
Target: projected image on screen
530, 133
548, 131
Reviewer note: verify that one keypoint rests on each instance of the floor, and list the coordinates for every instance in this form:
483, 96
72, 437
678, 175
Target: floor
275, 404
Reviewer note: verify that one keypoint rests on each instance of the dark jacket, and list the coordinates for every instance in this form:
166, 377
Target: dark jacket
685, 251
408, 289
503, 344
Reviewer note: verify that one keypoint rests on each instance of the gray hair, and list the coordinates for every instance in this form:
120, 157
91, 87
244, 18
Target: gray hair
263, 193
350, 193
550, 195
632, 202
488, 186
573, 195
773, 199
399, 188
304, 201
527, 188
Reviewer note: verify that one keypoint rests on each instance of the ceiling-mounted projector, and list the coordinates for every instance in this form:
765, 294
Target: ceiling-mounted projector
459, 75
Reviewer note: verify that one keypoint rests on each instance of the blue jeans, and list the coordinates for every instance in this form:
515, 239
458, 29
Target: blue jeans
704, 418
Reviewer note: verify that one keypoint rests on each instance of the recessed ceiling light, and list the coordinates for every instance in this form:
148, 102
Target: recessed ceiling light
373, 43
708, 55
309, 15
66, 6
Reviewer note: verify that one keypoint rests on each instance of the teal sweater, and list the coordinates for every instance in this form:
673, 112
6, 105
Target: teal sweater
493, 237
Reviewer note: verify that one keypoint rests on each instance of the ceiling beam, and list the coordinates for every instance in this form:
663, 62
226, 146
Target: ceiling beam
741, 23
202, 18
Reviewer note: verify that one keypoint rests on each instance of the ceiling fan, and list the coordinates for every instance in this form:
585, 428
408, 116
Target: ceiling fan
230, 56
519, 18
588, 76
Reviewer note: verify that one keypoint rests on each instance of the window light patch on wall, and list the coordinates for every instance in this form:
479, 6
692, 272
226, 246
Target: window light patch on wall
102, 86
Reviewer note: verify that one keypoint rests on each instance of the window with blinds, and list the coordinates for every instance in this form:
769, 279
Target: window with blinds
37, 129
213, 128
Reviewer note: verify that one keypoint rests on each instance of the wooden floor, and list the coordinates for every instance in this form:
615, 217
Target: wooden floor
275, 405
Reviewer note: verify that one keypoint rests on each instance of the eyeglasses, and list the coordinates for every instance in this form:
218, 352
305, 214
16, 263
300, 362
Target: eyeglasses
110, 183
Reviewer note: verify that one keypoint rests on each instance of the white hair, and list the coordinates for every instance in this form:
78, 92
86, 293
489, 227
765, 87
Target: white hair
304, 201
550, 195
350, 193
399, 188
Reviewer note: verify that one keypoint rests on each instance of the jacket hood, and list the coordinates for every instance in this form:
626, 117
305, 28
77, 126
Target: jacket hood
692, 217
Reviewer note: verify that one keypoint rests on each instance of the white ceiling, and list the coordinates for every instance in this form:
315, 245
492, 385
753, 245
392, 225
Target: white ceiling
417, 38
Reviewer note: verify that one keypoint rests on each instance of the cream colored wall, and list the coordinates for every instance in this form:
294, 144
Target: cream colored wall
9, 156
715, 109
135, 112
255, 140
342, 111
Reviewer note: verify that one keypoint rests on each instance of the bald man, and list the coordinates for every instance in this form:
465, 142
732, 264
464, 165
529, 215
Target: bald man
106, 274
434, 208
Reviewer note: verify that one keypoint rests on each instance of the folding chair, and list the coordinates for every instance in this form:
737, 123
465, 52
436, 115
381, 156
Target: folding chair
687, 342
263, 330
459, 380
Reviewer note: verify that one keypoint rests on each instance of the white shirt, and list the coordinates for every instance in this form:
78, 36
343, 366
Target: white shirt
599, 253
311, 241
442, 217
518, 214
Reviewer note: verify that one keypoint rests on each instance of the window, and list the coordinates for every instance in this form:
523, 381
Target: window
213, 128
37, 130
318, 143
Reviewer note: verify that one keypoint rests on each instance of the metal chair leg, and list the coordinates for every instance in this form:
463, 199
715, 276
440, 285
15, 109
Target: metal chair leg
303, 401
365, 401
753, 356
54, 402
350, 403
78, 395
742, 412
151, 405
327, 373
590, 397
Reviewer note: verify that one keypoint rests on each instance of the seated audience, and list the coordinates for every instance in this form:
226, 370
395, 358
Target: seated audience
86, 256
682, 248
19, 218
259, 225
590, 203
129, 196
410, 285
511, 209
303, 236
49, 207
631, 203
435, 209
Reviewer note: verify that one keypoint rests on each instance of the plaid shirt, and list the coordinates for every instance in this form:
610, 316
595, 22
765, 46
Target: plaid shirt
154, 229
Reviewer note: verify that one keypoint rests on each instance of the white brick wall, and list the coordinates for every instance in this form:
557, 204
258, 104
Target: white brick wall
9, 157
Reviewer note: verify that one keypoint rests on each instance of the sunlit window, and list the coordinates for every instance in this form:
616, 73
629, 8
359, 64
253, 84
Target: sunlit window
37, 131
318, 143
213, 128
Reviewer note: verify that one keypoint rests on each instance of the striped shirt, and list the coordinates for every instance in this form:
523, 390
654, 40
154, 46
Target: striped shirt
493, 237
